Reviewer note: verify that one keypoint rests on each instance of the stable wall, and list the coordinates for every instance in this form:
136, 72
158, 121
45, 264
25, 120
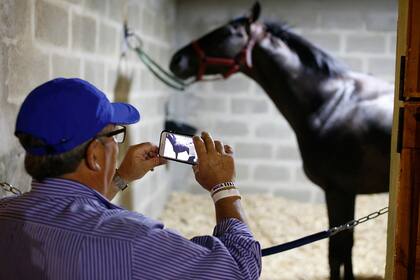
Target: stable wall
44, 39
237, 111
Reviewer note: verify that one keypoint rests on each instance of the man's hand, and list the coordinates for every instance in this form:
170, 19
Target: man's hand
215, 163
139, 160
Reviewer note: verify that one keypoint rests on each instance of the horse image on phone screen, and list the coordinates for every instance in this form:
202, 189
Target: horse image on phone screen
182, 147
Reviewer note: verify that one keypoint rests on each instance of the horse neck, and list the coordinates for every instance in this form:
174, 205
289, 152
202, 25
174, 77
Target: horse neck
293, 90
171, 139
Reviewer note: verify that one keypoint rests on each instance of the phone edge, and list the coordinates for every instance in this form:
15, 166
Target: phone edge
164, 142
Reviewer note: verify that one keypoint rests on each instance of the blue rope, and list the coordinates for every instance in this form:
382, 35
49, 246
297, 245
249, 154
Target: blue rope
295, 243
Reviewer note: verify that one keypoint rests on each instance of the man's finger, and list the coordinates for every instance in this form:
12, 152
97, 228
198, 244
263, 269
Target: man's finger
219, 147
153, 162
228, 149
209, 142
145, 147
162, 161
200, 148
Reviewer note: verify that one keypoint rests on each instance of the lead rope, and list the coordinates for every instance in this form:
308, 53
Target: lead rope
134, 43
322, 234
285, 246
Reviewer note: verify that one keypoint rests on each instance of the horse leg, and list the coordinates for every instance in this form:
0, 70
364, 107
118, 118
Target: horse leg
340, 207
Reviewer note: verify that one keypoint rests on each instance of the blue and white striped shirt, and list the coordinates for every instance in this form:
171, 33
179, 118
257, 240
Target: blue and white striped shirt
62, 229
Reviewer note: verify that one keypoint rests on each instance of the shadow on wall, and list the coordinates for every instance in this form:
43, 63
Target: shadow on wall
121, 94
12, 155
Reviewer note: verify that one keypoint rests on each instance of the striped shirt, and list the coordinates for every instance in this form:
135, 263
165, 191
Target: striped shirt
62, 229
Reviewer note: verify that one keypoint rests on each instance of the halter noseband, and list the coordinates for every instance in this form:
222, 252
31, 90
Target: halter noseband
243, 58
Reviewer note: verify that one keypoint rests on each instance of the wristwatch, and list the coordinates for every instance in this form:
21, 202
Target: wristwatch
119, 182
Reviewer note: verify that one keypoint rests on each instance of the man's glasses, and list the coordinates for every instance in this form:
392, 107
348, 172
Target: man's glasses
118, 134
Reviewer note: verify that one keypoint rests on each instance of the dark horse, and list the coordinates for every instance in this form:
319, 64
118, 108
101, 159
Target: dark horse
342, 119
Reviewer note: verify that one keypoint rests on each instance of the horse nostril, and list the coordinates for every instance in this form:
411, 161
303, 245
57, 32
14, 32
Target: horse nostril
176, 60
176, 63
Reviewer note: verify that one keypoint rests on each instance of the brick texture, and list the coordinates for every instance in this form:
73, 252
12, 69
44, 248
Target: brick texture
365, 43
95, 73
329, 41
28, 64
253, 151
42, 39
81, 38
84, 33
381, 22
341, 20
249, 106
231, 128
63, 66
51, 23
96, 6
272, 173
15, 17
108, 39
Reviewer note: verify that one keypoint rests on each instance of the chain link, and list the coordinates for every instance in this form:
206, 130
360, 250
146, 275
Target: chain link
9, 188
352, 224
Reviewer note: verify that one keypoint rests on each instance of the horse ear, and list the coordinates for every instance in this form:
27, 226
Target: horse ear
255, 12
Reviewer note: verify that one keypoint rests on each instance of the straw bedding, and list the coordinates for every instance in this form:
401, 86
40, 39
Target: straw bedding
276, 220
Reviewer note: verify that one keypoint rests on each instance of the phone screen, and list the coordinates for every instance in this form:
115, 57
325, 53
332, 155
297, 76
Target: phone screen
178, 147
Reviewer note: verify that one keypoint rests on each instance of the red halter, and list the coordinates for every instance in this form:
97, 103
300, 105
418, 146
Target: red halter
243, 58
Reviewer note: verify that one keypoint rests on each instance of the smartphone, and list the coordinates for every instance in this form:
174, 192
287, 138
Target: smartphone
178, 147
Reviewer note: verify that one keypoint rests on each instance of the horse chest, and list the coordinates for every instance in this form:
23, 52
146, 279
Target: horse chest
345, 162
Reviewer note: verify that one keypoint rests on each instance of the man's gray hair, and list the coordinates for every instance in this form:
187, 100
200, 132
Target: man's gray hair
49, 166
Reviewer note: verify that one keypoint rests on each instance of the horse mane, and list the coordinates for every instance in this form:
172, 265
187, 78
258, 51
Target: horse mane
313, 57
171, 138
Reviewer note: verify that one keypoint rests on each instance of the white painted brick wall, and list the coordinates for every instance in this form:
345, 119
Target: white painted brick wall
44, 39
360, 33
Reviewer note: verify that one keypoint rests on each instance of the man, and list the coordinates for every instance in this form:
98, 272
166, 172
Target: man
67, 228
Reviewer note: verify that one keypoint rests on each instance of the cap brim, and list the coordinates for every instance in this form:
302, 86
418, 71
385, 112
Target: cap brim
124, 113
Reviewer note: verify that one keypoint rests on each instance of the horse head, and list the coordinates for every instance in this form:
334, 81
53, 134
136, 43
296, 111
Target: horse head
234, 46
224, 50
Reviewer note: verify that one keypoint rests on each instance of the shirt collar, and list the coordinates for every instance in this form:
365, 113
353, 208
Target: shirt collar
58, 187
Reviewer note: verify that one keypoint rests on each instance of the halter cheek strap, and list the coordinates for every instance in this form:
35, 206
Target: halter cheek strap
204, 61
244, 58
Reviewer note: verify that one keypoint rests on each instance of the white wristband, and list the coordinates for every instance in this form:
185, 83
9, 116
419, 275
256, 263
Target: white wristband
221, 186
225, 193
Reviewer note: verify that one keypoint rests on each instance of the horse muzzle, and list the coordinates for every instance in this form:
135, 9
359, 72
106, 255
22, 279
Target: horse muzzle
180, 65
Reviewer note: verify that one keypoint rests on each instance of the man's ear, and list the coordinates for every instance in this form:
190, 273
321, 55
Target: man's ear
91, 156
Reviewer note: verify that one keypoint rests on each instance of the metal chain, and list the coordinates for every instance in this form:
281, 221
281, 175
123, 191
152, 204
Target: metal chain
9, 188
352, 224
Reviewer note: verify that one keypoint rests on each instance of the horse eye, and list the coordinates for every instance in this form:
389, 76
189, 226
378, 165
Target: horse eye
236, 30
236, 26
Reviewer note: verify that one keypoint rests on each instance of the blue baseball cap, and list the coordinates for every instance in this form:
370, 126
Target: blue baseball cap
65, 113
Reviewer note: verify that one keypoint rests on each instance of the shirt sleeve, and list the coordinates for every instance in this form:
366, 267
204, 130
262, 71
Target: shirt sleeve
231, 253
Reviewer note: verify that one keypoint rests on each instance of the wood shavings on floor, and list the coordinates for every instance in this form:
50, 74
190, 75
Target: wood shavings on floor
275, 220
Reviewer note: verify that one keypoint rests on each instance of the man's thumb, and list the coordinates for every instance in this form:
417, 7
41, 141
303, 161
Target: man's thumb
152, 163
